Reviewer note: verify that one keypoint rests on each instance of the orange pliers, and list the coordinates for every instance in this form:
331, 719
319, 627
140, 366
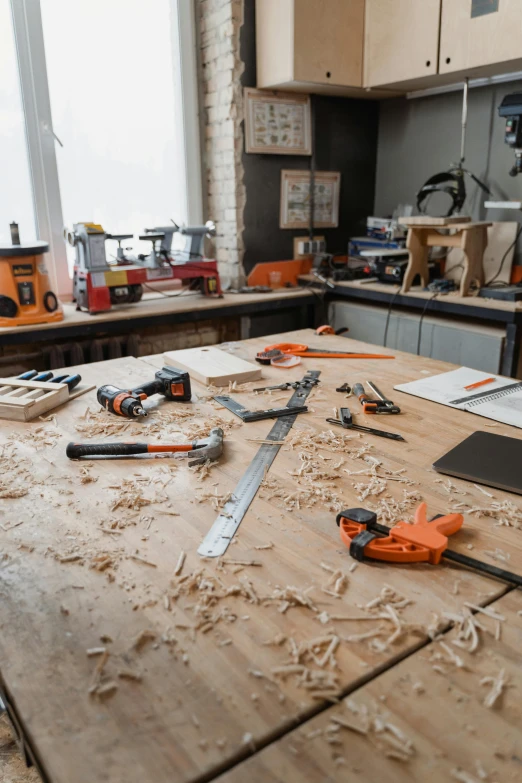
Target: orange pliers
297, 349
422, 542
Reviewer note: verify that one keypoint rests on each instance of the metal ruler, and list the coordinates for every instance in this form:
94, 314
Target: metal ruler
488, 396
225, 526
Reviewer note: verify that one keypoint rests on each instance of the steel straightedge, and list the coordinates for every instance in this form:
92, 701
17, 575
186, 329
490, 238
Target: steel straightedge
225, 526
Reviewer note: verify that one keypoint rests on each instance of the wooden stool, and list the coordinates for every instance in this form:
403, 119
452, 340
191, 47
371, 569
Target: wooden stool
471, 238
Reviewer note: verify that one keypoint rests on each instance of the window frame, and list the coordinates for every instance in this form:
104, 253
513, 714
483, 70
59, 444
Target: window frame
41, 138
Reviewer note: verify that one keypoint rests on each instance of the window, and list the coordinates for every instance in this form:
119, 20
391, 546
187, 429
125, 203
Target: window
109, 67
16, 195
114, 82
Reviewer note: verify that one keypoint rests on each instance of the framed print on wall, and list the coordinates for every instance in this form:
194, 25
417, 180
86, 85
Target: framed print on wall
277, 123
295, 199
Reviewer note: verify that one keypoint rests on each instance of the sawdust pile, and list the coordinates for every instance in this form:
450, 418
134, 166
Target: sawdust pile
15, 473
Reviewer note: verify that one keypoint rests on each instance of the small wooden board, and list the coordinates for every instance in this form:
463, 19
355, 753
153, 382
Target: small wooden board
426, 220
212, 366
25, 400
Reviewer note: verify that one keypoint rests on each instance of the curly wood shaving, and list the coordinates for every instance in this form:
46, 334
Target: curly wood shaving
498, 684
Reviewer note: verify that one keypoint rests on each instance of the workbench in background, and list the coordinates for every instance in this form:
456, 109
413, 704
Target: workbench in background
501, 322
88, 560
82, 337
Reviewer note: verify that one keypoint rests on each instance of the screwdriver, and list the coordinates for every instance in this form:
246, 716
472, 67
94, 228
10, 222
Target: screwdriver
346, 421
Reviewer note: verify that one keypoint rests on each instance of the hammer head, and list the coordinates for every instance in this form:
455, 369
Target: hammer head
208, 448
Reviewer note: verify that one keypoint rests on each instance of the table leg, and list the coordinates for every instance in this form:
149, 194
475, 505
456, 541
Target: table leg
511, 350
418, 260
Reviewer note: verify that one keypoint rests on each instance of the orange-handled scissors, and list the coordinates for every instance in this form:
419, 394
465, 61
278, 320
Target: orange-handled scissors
296, 349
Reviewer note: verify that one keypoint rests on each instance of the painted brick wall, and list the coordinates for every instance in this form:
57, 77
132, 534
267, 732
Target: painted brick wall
219, 25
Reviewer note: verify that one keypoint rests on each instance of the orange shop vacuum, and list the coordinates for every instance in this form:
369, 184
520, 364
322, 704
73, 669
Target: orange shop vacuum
26, 296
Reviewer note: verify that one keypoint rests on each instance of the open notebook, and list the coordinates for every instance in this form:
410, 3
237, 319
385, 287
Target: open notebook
500, 400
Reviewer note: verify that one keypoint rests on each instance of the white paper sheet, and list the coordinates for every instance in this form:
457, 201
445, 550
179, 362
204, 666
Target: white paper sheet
500, 400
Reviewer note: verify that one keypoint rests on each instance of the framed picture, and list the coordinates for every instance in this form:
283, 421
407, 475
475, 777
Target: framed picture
277, 123
295, 199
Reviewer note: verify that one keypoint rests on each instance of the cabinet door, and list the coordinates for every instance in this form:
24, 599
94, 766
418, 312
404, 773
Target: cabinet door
402, 40
477, 33
328, 41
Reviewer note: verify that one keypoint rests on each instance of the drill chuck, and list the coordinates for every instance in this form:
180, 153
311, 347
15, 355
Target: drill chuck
121, 402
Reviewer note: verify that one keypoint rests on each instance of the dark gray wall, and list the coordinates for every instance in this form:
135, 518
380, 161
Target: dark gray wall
346, 141
421, 137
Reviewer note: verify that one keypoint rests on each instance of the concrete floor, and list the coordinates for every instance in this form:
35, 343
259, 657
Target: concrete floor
12, 765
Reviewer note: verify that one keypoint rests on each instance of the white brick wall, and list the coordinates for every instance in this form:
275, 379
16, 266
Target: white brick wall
222, 97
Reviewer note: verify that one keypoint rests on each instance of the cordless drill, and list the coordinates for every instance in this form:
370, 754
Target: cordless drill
173, 384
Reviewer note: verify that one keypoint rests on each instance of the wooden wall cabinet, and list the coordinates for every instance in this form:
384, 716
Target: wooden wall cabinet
401, 41
491, 41
310, 45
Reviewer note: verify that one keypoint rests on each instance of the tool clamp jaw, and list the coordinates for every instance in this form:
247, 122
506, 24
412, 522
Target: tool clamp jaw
422, 541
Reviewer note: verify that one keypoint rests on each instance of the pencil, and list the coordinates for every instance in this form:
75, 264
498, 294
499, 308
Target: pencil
479, 383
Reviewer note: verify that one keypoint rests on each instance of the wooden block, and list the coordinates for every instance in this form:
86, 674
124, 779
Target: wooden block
212, 366
426, 220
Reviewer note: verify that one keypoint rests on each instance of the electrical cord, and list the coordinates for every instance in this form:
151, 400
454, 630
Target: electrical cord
184, 291
424, 309
392, 300
510, 248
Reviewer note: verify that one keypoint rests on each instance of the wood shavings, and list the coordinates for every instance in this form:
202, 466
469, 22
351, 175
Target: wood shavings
484, 492
95, 651
462, 776
381, 732
131, 496
485, 610
140, 559
203, 470
390, 510
450, 487
201, 429
8, 491
38, 437
128, 674
143, 639
498, 554
505, 513
101, 422
277, 641
265, 546
180, 563
288, 597
229, 561
498, 684
106, 691
70, 558
216, 500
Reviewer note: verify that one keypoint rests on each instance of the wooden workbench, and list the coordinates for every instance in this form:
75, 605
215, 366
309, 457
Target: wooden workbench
156, 310
78, 571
